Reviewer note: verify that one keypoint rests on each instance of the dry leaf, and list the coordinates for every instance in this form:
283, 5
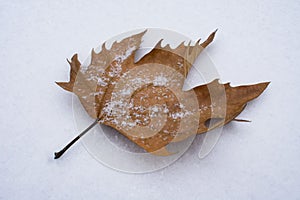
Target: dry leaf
144, 101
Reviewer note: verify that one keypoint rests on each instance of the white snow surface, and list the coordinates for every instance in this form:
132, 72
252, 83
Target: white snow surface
256, 41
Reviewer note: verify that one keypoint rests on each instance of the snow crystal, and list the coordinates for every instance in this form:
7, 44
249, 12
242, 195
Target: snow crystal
126, 91
155, 109
177, 115
180, 115
160, 81
180, 65
115, 70
97, 93
101, 82
166, 110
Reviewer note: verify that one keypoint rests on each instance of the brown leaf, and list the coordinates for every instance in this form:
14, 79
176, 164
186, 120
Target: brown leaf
144, 101
236, 100
74, 67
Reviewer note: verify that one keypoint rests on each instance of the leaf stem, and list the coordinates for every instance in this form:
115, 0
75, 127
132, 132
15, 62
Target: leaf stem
61, 152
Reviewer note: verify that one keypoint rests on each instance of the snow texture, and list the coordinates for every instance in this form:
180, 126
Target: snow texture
257, 41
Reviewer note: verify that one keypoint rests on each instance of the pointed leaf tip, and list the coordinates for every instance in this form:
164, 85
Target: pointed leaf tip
65, 85
74, 67
209, 39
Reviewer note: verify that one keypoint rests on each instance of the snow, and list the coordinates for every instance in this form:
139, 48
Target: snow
160, 81
101, 82
126, 91
257, 160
